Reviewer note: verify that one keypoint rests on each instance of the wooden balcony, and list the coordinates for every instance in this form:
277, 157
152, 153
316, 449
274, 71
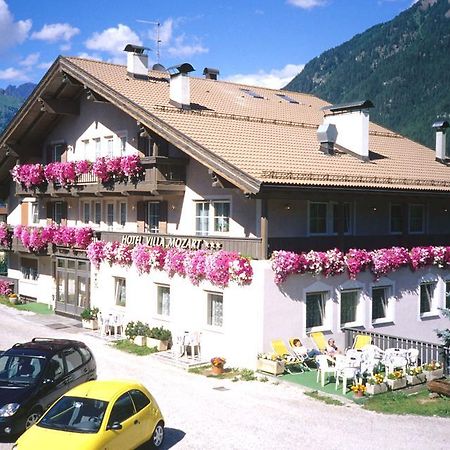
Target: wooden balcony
246, 246
161, 175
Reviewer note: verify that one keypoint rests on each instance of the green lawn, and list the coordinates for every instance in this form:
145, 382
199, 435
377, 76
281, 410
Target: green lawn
128, 346
38, 308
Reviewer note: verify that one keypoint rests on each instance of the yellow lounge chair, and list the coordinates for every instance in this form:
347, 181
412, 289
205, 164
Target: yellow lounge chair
280, 349
361, 340
320, 340
301, 353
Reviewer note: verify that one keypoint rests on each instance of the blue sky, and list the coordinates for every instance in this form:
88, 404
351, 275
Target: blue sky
263, 42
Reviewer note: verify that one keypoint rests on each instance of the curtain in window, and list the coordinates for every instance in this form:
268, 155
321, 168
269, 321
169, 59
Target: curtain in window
349, 303
164, 300
215, 310
202, 218
426, 297
120, 292
379, 303
315, 309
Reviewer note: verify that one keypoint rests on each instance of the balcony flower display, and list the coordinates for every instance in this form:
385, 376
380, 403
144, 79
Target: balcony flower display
118, 169
357, 260
62, 173
174, 262
123, 255
388, 260
109, 251
96, 253
5, 235
30, 176
217, 267
5, 288
194, 266
131, 166
141, 258
241, 271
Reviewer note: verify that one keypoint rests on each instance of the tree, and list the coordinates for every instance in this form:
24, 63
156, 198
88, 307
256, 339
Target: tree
444, 335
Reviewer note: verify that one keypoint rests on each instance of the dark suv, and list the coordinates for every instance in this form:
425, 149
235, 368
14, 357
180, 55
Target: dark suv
35, 374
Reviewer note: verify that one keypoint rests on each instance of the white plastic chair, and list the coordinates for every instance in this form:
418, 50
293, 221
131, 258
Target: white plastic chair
395, 358
116, 323
323, 369
412, 356
192, 341
371, 356
103, 323
346, 369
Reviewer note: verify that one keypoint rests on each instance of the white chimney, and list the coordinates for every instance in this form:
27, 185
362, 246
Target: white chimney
352, 125
441, 139
180, 93
137, 61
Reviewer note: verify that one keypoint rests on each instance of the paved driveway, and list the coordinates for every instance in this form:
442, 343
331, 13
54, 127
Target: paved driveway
244, 415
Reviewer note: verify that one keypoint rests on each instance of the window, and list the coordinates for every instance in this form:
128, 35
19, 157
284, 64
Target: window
396, 218
57, 151
163, 306
98, 148
349, 306
110, 215
153, 216
215, 310
97, 213
318, 218
109, 146
426, 297
34, 212
55, 367
380, 302
287, 98
29, 268
315, 309
86, 212
122, 410
447, 295
324, 217
120, 291
347, 219
85, 151
123, 145
251, 93
202, 218
140, 400
73, 359
123, 214
57, 212
416, 219
221, 216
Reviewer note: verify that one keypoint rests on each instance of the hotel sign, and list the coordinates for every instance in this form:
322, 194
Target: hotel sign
187, 243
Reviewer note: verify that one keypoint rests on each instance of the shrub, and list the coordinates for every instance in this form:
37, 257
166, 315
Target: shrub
89, 314
159, 333
134, 329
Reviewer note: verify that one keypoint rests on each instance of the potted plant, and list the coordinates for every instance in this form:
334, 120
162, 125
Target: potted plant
217, 364
396, 380
358, 390
271, 363
415, 375
137, 332
159, 337
89, 318
376, 384
14, 299
433, 370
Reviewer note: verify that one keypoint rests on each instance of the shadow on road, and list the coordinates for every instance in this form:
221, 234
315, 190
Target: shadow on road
172, 437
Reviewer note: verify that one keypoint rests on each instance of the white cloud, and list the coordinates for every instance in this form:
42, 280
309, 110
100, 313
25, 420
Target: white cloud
307, 4
30, 60
183, 49
65, 47
44, 65
14, 75
12, 32
86, 55
112, 41
55, 32
274, 79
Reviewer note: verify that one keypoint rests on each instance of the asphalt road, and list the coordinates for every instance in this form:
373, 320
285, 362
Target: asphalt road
241, 415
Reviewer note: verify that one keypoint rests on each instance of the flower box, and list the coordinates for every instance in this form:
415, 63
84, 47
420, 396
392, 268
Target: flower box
373, 389
399, 383
160, 345
434, 374
140, 340
270, 366
91, 324
415, 379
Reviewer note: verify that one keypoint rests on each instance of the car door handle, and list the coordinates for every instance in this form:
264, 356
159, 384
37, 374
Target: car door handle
136, 422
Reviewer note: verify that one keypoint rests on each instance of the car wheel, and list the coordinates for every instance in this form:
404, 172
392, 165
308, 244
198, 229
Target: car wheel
32, 418
158, 436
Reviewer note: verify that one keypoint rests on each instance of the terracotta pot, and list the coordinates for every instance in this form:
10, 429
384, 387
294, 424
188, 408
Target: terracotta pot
217, 370
358, 394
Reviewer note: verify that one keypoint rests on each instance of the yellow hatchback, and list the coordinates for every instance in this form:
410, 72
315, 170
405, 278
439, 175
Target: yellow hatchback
103, 415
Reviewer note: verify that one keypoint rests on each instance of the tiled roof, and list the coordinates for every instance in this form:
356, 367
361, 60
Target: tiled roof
272, 140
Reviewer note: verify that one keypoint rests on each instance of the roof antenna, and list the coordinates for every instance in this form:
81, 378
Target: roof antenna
158, 40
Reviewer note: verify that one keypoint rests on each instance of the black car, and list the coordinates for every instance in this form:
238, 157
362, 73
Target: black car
35, 374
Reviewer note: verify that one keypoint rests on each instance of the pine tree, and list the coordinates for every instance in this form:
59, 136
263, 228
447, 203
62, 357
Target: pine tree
444, 335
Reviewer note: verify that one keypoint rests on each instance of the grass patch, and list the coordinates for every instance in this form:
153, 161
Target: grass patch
127, 346
38, 308
409, 402
232, 374
323, 398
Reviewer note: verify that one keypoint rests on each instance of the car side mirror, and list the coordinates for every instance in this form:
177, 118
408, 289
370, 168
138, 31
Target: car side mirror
114, 426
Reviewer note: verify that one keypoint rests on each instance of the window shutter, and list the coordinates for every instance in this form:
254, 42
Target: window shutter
163, 210
140, 219
63, 213
49, 213
24, 213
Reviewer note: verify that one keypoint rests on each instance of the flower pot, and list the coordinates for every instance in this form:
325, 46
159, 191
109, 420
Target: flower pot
358, 394
433, 374
13, 299
373, 389
270, 366
217, 370
140, 340
160, 345
415, 379
399, 383
90, 324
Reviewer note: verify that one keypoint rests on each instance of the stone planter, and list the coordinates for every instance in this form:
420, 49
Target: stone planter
415, 379
160, 345
373, 389
269, 366
433, 374
90, 324
393, 385
140, 340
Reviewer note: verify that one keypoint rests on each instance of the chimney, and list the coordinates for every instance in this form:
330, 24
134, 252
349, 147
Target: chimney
352, 124
326, 135
137, 61
210, 73
441, 127
180, 94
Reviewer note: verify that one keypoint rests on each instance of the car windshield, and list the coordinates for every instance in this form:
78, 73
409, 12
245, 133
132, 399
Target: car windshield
77, 414
20, 369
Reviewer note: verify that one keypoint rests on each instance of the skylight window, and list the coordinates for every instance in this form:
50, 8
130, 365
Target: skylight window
287, 98
251, 93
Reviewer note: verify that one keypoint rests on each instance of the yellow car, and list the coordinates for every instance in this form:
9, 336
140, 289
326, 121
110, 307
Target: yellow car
103, 415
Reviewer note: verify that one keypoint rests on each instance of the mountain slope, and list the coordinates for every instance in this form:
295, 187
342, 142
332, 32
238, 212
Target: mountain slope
403, 66
11, 100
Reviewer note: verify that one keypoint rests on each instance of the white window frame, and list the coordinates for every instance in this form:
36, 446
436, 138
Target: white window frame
34, 212
84, 154
210, 322
390, 218
24, 278
117, 285
155, 228
388, 284
94, 213
109, 146
161, 311
329, 218
211, 217
110, 226
358, 311
54, 210
326, 290
119, 212
422, 207
434, 303
97, 148
83, 213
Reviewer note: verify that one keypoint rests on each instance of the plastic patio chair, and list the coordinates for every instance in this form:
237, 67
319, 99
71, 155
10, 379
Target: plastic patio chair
324, 369
280, 349
301, 353
320, 340
345, 371
361, 340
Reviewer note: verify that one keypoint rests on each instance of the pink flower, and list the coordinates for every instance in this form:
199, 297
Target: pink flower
174, 262
217, 267
95, 253
357, 261
141, 258
241, 271
5, 288
82, 167
5, 235
195, 266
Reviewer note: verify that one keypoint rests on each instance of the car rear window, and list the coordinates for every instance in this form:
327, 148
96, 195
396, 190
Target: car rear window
85, 353
73, 359
140, 399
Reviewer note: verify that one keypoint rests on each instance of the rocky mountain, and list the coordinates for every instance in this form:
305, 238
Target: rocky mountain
403, 66
11, 100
